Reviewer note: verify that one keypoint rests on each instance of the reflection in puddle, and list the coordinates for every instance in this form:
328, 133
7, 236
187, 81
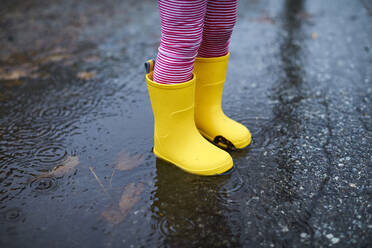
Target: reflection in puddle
187, 205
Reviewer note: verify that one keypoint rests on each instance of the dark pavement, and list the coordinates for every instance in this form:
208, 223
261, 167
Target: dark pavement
76, 167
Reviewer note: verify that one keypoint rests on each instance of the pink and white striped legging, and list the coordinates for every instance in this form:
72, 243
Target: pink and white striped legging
191, 28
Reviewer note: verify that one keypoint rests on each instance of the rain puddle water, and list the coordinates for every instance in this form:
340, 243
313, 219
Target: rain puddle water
76, 161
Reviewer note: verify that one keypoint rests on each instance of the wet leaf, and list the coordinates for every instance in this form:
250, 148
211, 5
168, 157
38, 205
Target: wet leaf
86, 75
127, 162
13, 83
265, 19
40, 75
113, 216
304, 15
66, 167
13, 74
92, 59
58, 50
54, 58
130, 197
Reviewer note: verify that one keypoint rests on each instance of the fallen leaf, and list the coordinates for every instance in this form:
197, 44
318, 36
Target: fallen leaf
39, 75
130, 197
264, 19
127, 162
92, 59
58, 50
113, 215
13, 83
304, 15
86, 75
66, 167
14, 74
314, 35
54, 58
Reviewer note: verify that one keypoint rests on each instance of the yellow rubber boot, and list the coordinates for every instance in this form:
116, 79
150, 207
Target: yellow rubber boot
209, 116
176, 138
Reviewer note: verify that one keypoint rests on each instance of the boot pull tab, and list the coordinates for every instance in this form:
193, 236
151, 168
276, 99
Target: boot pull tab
149, 65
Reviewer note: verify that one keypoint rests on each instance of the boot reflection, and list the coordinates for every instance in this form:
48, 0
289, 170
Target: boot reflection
188, 210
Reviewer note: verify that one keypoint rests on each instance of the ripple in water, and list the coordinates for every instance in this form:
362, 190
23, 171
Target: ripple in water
51, 154
234, 184
43, 184
55, 113
263, 138
12, 215
29, 132
176, 226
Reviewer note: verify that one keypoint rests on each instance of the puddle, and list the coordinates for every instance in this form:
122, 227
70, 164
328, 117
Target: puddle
76, 131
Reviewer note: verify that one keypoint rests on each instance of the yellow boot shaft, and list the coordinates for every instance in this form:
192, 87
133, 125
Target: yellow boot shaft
209, 116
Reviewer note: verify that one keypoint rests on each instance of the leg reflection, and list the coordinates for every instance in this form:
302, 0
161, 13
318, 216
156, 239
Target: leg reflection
189, 209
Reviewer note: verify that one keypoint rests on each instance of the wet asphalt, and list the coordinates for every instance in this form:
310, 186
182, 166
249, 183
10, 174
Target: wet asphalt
76, 166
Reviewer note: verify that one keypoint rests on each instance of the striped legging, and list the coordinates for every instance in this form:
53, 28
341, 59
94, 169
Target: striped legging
191, 28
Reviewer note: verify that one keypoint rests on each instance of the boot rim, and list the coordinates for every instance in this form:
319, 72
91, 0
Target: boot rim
150, 82
212, 59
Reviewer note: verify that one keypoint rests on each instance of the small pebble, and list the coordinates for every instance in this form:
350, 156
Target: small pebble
335, 240
303, 235
329, 236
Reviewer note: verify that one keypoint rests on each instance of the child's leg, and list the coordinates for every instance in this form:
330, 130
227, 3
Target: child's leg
210, 68
181, 34
176, 138
218, 26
